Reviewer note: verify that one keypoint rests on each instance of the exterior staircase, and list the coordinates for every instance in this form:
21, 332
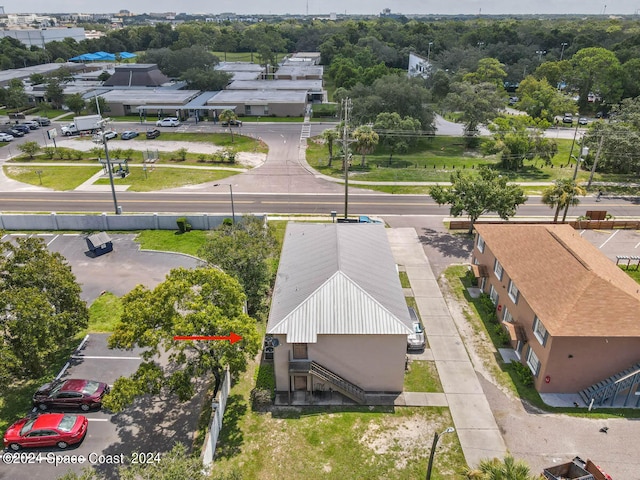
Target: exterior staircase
608, 390
340, 384
337, 383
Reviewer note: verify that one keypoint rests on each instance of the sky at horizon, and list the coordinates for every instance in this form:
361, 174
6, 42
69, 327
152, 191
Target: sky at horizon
324, 7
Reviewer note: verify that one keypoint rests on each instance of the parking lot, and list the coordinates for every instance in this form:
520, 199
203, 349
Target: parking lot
146, 430
118, 271
151, 426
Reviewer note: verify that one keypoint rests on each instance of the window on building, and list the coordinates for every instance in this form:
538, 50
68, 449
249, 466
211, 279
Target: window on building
540, 332
300, 350
493, 294
507, 317
514, 293
497, 269
533, 362
480, 244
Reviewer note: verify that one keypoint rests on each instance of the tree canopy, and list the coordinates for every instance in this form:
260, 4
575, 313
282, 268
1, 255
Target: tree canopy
40, 307
477, 195
203, 301
245, 251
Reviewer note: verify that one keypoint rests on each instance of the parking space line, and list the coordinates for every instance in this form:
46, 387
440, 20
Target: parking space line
98, 419
612, 235
77, 357
52, 240
637, 245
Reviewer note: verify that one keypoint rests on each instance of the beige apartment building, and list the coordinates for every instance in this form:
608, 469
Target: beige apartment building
572, 315
339, 320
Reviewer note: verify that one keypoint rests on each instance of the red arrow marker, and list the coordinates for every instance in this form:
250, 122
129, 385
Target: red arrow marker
232, 337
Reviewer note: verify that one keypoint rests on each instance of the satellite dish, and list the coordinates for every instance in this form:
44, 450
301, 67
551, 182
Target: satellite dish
275, 342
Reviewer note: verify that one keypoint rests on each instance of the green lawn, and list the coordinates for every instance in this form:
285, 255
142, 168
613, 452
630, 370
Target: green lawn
57, 178
632, 271
161, 178
434, 159
422, 376
104, 313
172, 241
404, 280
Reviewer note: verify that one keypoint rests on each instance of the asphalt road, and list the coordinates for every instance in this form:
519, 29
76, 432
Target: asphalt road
277, 203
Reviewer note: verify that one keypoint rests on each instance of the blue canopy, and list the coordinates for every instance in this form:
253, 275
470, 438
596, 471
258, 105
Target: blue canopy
101, 57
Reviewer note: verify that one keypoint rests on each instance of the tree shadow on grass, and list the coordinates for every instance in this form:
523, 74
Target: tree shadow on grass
231, 437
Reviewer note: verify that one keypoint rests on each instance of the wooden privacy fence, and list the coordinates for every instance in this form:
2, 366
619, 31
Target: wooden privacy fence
577, 224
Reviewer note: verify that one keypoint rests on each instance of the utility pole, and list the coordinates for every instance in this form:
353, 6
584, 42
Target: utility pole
346, 109
595, 161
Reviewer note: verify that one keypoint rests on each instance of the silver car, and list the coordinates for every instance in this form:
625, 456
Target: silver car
415, 340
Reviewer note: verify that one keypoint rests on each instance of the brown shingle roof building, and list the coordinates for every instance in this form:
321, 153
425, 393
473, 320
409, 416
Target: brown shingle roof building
577, 314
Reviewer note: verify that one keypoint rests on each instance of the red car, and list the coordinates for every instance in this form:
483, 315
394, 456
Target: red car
46, 430
72, 393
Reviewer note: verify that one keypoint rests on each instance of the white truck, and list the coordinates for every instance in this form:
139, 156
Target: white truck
85, 124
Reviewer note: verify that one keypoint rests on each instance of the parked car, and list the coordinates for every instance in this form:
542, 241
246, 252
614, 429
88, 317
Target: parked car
5, 137
72, 393
128, 135
22, 128
47, 430
42, 121
168, 122
33, 125
153, 133
568, 118
13, 132
107, 135
583, 121
232, 122
415, 340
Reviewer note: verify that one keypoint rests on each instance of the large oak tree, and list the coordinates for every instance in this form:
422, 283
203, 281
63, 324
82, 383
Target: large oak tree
203, 301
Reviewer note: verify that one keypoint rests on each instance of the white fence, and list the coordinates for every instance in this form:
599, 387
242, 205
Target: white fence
218, 406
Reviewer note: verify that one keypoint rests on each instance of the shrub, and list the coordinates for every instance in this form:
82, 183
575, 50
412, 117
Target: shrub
501, 334
77, 154
264, 377
522, 373
183, 225
486, 304
202, 158
49, 152
182, 154
261, 399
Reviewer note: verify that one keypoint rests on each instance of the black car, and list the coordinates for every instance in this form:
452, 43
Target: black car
232, 122
22, 128
153, 133
14, 132
42, 121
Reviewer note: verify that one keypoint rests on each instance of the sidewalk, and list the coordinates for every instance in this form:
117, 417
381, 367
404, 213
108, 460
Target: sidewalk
475, 425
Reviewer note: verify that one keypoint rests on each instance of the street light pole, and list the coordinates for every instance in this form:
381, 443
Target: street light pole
233, 210
436, 437
563, 44
429, 53
103, 140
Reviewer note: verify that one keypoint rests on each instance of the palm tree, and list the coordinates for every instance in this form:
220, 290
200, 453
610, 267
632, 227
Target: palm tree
330, 136
228, 116
496, 469
563, 194
366, 141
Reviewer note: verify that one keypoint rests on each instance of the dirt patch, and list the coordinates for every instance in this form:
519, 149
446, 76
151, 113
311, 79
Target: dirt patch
399, 436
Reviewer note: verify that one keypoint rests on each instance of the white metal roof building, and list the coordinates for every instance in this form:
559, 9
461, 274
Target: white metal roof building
337, 279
